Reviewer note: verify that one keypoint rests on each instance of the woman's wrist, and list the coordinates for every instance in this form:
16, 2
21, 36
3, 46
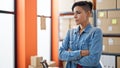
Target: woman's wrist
84, 52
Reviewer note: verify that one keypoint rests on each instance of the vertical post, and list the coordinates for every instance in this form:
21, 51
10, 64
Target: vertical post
26, 28
54, 35
94, 13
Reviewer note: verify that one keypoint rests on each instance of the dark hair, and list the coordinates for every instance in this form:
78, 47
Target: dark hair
87, 6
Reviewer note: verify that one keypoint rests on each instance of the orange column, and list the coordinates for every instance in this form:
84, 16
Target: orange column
55, 31
94, 4
26, 28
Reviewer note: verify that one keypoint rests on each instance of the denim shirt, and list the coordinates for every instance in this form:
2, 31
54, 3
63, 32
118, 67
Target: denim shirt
90, 39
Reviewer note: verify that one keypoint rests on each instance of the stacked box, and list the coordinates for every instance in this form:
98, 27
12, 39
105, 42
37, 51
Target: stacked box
111, 45
30, 66
35, 62
65, 5
114, 14
109, 26
114, 25
105, 4
114, 19
105, 45
118, 62
102, 24
102, 14
118, 4
51, 64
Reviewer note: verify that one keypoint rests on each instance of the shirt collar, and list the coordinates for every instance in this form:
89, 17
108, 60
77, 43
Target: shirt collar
87, 28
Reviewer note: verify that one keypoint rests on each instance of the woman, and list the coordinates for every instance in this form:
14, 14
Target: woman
82, 46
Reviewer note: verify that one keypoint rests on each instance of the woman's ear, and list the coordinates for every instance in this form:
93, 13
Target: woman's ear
89, 13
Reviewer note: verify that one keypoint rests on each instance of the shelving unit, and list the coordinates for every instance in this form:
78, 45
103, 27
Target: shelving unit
111, 52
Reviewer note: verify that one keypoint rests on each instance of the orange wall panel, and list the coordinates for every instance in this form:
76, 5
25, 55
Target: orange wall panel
26, 23
55, 37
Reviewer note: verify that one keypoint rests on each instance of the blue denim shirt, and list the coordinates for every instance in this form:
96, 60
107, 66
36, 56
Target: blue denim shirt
90, 39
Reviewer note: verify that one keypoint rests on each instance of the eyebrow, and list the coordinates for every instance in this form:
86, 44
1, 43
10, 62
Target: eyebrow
77, 11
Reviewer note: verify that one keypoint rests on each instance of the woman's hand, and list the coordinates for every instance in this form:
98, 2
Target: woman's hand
84, 52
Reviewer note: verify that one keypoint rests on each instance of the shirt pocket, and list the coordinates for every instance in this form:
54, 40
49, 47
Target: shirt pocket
72, 46
84, 45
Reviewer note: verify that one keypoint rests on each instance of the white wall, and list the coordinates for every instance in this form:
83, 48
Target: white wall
7, 46
7, 5
6, 41
44, 40
44, 36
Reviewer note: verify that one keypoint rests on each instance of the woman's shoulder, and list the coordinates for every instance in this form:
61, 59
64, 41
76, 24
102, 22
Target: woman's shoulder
96, 30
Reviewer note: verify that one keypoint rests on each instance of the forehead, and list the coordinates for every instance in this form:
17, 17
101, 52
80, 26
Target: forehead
78, 8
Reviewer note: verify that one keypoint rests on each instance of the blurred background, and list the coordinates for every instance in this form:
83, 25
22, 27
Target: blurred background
32, 31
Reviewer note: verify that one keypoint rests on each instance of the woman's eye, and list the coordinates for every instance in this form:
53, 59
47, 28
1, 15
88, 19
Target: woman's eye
78, 12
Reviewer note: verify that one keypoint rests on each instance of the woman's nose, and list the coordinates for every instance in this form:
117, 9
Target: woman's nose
75, 16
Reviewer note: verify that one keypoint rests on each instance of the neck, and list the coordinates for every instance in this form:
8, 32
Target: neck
82, 26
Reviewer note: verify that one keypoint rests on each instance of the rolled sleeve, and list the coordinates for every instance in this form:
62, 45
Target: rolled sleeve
66, 55
69, 55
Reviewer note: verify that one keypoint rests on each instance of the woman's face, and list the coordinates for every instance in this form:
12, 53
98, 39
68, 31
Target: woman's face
80, 15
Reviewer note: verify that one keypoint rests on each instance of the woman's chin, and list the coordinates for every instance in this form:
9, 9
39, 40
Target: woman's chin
77, 23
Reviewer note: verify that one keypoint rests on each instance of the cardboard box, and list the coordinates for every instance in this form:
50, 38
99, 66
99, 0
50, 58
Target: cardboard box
51, 64
114, 44
65, 5
118, 62
118, 4
35, 61
109, 26
114, 49
105, 4
114, 26
114, 14
30, 66
111, 44
102, 23
105, 45
102, 14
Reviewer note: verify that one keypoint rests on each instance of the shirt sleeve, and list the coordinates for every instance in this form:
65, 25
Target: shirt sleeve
95, 50
66, 55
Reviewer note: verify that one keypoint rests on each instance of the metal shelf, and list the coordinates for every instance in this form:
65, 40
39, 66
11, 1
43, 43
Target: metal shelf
111, 35
107, 9
9, 12
66, 14
115, 54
